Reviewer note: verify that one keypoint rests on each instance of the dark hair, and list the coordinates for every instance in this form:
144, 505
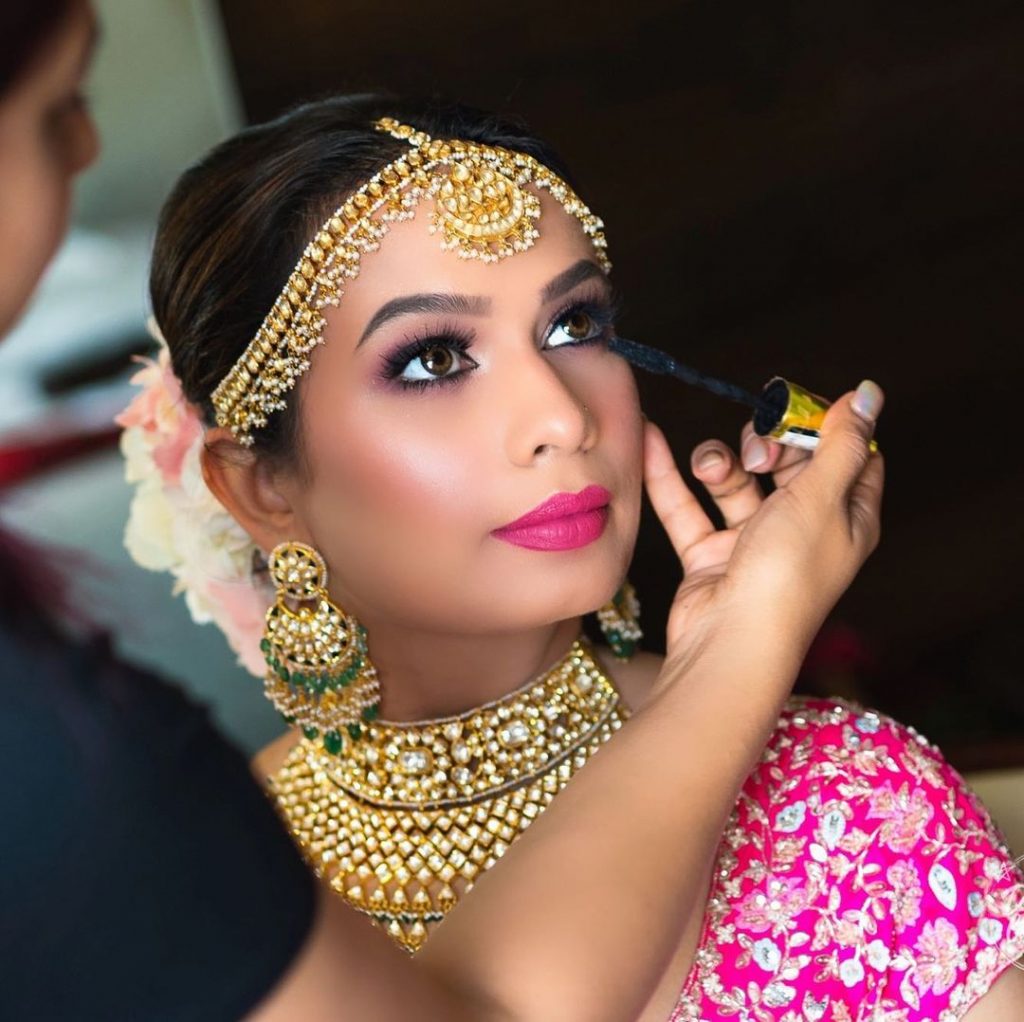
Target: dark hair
25, 25
236, 223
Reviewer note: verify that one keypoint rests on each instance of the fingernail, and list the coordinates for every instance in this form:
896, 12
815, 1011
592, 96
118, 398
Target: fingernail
867, 400
755, 453
709, 459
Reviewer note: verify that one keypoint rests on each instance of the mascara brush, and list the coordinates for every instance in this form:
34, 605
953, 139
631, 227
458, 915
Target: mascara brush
783, 411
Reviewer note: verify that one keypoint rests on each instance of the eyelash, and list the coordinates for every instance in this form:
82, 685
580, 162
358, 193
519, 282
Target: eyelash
602, 310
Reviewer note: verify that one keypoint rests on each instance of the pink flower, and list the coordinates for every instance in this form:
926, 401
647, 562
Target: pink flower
906, 814
906, 893
773, 907
176, 524
243, 609
160, 410
940, 956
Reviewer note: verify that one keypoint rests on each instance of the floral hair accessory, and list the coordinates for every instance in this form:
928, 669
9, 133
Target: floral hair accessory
176, 524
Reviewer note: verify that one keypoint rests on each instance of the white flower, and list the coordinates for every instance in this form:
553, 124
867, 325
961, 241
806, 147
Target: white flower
975, 903
148, 535
851, 972
766, 953
943, 885
878, 955
833, 826
791, 817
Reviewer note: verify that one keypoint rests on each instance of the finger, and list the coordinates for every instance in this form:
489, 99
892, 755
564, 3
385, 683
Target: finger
735, 491
866, 502
761, 455
842, 453
675, 505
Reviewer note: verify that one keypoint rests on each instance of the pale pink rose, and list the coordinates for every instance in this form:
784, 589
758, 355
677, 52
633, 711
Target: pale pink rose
170, 423
906, 893
242, 609
939, 957
906, 814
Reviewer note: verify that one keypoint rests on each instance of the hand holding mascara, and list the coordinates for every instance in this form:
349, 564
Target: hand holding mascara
783, 411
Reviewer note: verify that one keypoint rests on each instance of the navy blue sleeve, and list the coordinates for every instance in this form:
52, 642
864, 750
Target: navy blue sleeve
143, 873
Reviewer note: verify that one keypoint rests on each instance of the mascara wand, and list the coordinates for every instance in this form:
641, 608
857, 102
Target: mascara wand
783, 411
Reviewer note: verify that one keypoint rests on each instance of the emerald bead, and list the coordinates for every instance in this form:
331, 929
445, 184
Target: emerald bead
371, 712
310, 732
265, 645
332, 742
287, 718
282, 673
355, 731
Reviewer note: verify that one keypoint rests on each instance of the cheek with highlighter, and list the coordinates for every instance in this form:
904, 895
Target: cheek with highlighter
399, 502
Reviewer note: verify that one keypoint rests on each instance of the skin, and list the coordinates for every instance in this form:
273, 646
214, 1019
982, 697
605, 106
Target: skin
46, 138
557, 421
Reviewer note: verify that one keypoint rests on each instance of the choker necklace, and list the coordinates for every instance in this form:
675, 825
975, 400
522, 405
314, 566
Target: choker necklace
403, 821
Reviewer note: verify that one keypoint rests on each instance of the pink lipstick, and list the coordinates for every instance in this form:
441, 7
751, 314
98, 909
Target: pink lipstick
565, 521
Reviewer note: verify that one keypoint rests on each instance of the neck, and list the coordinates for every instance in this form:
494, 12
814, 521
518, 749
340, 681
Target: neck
424, 676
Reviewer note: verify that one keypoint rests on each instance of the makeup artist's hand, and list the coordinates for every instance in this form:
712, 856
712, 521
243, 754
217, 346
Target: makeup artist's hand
783, 560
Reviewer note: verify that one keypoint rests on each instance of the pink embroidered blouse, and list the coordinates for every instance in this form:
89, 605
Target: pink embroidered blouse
858, 878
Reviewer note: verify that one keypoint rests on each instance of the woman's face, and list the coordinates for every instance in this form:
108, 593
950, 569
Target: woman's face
450, 398
46, 138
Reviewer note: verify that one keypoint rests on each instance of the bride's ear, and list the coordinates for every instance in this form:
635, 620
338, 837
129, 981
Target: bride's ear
255, 494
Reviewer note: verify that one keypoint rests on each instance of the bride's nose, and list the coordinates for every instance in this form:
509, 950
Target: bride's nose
545, 414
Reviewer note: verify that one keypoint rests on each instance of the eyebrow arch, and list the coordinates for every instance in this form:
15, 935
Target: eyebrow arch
460, 305
570, 278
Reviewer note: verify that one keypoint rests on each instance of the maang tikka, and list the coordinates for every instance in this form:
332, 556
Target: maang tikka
319, 673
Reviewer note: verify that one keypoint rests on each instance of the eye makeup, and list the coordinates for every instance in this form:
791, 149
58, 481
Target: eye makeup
458, 340
452, 338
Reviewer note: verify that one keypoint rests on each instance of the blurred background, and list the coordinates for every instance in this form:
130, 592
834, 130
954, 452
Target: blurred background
825, 192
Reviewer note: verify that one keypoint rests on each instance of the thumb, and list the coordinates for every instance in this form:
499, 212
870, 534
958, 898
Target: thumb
846, 432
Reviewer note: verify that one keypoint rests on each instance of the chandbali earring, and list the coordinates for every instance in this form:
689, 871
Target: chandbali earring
319, 674
620, 622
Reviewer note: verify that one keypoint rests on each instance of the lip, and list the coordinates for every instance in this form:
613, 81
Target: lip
564, 521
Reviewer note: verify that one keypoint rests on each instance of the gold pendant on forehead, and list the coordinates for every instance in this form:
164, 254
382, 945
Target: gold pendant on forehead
404, 820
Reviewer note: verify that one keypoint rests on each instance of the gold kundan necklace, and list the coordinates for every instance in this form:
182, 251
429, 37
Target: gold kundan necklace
402, 821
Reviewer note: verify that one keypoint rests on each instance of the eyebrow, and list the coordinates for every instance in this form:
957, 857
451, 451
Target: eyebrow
475, 305
570, 278
459, 305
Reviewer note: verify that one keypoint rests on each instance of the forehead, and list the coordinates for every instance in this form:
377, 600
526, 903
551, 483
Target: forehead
410, 260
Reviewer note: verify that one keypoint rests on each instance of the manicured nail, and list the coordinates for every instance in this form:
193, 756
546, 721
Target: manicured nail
709, 459
867, 400
755, 453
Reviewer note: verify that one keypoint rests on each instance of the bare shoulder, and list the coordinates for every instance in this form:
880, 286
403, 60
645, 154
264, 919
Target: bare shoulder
633, 678
271, 757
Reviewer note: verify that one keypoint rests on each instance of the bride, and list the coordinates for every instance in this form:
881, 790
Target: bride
394, 322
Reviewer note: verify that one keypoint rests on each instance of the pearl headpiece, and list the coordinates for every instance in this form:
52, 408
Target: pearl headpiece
482, 210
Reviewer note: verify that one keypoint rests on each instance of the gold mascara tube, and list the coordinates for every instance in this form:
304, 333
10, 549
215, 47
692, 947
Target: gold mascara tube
789, 414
